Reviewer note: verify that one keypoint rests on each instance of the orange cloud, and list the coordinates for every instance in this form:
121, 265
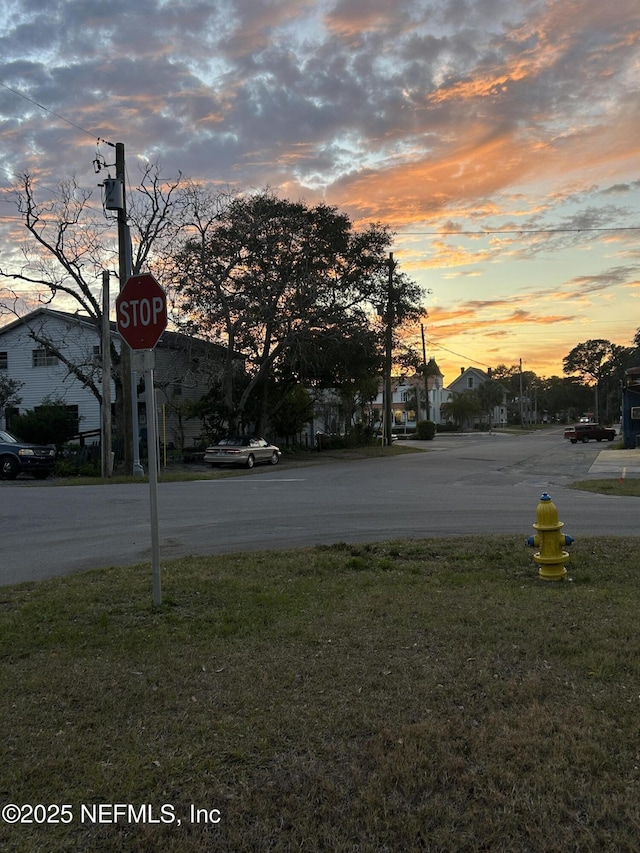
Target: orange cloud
349, 20
457, 182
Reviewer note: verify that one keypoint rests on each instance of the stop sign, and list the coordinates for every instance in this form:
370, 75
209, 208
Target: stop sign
141, 312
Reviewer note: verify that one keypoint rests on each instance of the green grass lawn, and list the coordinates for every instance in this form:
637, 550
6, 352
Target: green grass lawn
429, 695
627, 487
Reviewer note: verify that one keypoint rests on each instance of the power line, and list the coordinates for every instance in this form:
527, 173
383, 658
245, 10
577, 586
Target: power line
482, 233
62, 118
57, 115
52, 190
452, 352
519, 231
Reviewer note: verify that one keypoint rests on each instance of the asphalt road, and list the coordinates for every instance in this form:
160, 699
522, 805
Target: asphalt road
475, 484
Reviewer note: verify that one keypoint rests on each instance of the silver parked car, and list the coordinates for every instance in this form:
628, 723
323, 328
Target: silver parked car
242, 450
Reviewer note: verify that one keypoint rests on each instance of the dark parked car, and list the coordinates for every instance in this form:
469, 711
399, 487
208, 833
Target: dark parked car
20, 457
242, 451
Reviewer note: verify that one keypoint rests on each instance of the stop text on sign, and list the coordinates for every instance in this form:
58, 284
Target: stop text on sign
140, 312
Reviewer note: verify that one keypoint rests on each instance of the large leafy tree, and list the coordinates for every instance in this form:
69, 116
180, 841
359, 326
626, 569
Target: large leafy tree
346, 358
588, 360
267, 277
490, 394
513, 379
518, 385
293, 412
601, 362
564, 397
463, 407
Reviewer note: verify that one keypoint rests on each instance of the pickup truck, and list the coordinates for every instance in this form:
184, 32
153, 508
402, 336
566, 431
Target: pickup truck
586, 432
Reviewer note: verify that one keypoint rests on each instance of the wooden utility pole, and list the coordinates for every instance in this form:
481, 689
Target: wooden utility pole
388, 425
426, 378
106, 466
521, 401
123, 275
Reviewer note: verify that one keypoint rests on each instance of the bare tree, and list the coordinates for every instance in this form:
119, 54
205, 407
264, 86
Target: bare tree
9, 392
72, 242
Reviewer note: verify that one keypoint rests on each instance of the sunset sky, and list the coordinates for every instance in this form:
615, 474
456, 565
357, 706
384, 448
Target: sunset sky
499, 139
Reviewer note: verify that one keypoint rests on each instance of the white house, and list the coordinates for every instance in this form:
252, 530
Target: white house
46, 351
408, 398
404, 391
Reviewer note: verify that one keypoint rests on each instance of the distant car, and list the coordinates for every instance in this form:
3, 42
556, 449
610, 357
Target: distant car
242, 450
585, 432
18, 457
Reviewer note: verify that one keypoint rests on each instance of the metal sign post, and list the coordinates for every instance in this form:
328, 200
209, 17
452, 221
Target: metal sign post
152, 437
145, 360
141, 311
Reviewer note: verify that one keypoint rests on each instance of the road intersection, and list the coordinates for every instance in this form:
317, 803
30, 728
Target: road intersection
484, 484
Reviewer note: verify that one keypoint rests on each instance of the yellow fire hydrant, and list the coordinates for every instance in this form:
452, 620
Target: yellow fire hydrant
550, 558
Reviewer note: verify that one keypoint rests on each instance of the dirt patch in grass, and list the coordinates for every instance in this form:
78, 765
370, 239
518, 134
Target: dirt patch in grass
428, 695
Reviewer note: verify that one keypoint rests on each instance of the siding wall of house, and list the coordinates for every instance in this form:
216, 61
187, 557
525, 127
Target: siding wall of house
178, 381
470, 379
183, 371
403, 400
53, 381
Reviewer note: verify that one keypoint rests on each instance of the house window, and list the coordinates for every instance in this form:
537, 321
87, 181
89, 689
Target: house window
97, 352
44, 357
75, 414
4, 361
470, 382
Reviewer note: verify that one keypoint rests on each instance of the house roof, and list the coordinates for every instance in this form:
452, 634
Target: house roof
463, 376
432, 368
43, 312
461, 379
169, 339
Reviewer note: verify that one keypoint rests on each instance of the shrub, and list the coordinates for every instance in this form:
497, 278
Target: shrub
77, 461
425, 430
50, 423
